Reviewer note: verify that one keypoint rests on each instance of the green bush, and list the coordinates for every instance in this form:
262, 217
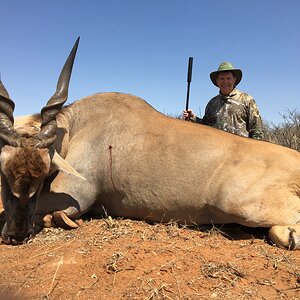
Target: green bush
286, 133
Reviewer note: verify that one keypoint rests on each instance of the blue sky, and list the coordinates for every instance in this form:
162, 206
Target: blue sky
142, 47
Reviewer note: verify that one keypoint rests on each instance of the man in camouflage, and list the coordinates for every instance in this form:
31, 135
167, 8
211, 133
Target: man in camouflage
232, 110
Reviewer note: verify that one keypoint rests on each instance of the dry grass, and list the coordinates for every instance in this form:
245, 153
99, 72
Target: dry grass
125, 259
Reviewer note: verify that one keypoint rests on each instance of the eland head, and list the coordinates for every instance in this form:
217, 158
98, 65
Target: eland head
26, 158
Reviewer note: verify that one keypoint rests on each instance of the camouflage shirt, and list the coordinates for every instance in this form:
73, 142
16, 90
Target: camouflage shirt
236, 113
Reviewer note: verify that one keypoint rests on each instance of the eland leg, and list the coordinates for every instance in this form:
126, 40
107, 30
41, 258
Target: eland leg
286, 236
64, 201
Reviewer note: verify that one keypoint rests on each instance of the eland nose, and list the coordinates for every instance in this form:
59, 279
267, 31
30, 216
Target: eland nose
16, 239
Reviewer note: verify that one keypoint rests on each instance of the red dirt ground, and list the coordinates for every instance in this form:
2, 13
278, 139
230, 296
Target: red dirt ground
133, 260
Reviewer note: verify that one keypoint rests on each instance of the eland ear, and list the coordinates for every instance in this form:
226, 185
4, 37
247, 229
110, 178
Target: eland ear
58, 163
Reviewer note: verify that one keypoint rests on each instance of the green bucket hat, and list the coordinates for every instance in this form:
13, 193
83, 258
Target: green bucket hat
226, 66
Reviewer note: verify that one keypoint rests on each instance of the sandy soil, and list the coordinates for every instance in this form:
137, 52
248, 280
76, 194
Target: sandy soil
126, 259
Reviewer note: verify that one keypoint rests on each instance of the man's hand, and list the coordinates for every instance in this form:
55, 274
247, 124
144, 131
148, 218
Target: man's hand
188, 115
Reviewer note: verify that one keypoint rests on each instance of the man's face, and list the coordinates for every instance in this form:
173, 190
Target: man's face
226, 82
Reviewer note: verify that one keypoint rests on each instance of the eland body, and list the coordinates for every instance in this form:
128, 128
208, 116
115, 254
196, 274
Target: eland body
114, 152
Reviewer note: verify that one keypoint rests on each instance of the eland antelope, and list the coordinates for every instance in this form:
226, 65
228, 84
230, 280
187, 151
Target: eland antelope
113, 151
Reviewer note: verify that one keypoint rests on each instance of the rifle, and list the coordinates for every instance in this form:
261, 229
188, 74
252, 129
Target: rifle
189, 79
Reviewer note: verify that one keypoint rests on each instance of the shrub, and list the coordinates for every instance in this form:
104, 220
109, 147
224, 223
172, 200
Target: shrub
286, 133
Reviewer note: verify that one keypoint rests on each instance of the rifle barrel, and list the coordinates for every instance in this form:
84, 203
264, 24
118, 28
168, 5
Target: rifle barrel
189, 79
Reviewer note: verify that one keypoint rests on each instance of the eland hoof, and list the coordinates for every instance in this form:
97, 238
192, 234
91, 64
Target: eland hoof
63, 221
